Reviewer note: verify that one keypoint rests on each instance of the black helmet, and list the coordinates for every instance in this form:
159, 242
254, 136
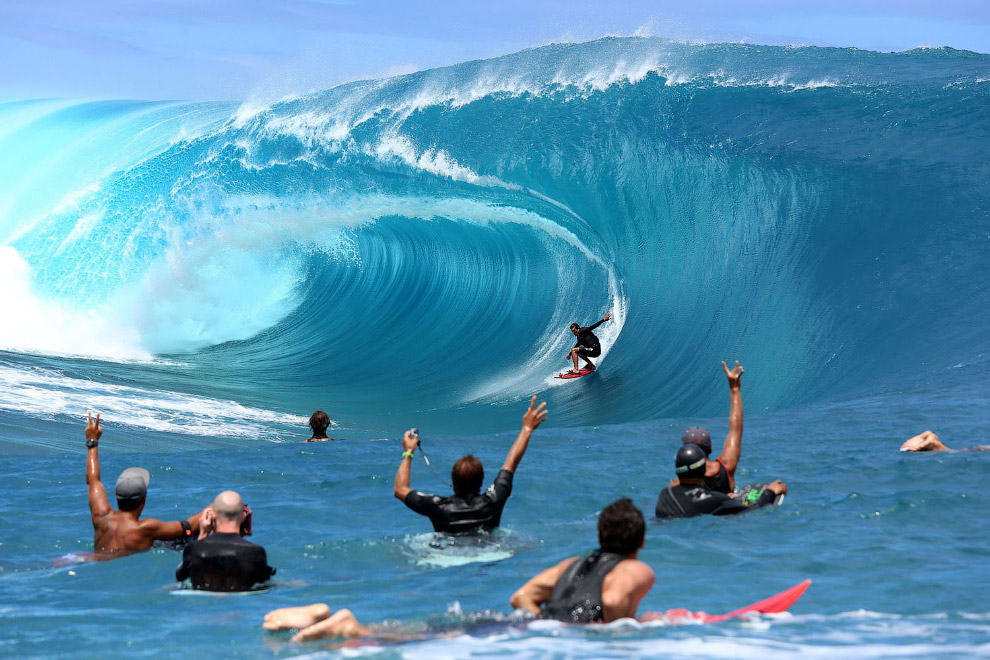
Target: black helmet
690, 461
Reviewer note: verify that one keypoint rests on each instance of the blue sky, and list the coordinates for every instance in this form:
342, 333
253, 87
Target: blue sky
265, 49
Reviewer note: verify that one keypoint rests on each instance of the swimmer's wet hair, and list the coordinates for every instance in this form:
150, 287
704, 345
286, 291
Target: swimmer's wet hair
467, 475
575, 325
621, 528
319, 421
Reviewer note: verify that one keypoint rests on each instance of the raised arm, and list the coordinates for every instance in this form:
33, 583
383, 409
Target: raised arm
539, 588
533, 418
595, 325
733, 441
409, 444
99, 505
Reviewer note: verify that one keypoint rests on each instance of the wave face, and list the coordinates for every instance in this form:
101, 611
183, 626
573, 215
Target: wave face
423, 242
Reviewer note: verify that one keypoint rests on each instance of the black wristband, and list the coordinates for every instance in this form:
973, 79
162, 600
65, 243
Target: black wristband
186, 527
92, 443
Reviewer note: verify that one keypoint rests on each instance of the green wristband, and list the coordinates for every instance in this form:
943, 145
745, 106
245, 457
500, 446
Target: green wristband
407, 454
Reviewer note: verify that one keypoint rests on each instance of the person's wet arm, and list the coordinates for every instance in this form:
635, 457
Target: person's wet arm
151, 530
733, 441
539, 588
595, 325
409, 444
263, 572
99, 505
182, 570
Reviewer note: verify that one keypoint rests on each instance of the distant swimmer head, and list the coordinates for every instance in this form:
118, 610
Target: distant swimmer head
690, 462
132, 488
621, 528
699, 436
319, 421
467, 475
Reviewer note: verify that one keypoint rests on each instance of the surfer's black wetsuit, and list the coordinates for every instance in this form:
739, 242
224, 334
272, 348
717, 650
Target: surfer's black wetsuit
720, 482
224, 561
577, 596
588, 342
689, 501
464, 513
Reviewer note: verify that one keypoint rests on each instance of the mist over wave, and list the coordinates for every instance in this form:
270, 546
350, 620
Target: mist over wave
422, 242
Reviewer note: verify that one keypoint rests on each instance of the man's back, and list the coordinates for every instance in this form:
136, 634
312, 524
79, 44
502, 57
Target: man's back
464, 513
577, 596
687, 501
224, 561
118, 533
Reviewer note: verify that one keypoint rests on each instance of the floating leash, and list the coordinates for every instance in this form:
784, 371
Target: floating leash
415, 434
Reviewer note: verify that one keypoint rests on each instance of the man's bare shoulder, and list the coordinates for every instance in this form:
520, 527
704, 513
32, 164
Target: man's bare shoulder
635, 568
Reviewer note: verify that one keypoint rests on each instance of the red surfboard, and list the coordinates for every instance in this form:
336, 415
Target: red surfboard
773, 605
584, 372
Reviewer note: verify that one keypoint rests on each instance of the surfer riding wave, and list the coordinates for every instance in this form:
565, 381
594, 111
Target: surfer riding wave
587, 345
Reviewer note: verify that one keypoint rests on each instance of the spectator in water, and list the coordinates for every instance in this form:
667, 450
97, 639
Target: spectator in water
122, 532
468, 509
221, 559
720, 474
928, 441
319, 422
605, 586
693, 497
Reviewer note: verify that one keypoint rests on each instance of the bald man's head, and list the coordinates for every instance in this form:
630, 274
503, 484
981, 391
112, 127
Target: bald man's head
229, 507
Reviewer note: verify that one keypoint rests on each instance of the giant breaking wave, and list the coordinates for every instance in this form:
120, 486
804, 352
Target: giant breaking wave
422, 242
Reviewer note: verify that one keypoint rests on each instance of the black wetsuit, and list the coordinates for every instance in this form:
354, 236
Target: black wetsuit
464, 513
577, 596
720, 482
588, 342
224, 561
689, 501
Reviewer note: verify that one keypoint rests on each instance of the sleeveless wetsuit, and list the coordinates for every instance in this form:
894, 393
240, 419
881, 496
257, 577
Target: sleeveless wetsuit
224, 561
577, 596
464, 513
689, 501
720, 482
586, 339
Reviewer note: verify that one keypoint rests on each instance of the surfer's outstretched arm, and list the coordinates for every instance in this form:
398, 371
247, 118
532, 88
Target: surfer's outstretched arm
595, 325
533, 418
409, 444
539, 588
99, 505
733, 441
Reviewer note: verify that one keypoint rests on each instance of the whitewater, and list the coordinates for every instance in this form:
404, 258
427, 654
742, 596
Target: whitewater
410, 252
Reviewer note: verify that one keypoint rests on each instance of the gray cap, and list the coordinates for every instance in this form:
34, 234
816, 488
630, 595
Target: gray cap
700, 436
133, 483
